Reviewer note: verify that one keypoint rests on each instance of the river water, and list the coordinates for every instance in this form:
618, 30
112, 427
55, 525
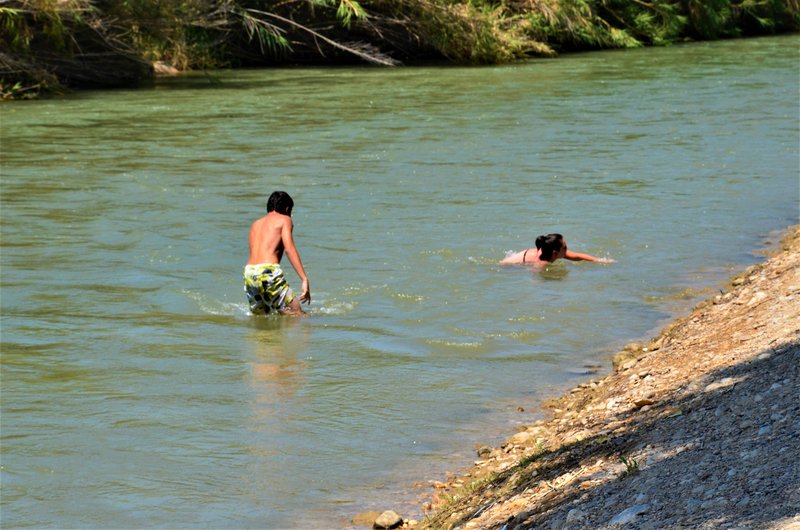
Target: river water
137, 391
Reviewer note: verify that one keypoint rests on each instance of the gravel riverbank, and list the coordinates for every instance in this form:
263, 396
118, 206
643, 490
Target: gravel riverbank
699, 428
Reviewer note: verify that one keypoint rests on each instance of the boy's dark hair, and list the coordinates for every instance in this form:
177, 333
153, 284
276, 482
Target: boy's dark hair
549, 245
280, 202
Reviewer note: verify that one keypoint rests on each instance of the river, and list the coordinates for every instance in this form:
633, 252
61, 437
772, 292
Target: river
137, 391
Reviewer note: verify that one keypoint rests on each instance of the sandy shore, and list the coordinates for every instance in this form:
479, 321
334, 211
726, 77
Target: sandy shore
699, 428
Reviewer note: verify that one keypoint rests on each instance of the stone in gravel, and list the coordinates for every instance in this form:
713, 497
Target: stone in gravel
714, 503
724, 383
743, 502
575, 515
692, 505
520, 438
626, 516
387, 519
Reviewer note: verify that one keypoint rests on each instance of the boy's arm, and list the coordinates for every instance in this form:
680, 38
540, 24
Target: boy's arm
294, 258
577, 256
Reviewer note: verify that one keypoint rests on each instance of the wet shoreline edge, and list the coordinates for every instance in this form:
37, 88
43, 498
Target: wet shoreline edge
561, 471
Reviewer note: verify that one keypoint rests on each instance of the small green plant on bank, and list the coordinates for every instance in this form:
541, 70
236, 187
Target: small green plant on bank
468, 489
631, 466
526, 461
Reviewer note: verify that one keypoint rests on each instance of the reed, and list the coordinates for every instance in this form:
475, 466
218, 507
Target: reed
48, 44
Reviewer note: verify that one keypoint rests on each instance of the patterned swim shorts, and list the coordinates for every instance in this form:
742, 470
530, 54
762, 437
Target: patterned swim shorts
266, 288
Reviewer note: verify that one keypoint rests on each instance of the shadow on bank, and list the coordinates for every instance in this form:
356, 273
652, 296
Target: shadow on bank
721, 456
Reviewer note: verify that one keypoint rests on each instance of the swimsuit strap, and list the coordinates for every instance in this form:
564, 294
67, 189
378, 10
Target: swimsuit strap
524, 254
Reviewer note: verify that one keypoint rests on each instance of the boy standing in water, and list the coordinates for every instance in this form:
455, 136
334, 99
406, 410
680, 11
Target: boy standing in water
264, 282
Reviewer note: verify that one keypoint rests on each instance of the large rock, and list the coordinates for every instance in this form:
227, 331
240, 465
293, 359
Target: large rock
387, 519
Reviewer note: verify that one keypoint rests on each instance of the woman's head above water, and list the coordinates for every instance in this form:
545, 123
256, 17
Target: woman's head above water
551, 247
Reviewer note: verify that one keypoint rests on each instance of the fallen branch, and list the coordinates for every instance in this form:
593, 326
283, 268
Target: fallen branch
375, 58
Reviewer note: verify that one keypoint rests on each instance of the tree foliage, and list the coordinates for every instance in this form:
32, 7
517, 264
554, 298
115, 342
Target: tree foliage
45, 44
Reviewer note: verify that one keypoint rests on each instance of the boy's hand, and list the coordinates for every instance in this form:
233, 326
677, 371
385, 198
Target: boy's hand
305, 293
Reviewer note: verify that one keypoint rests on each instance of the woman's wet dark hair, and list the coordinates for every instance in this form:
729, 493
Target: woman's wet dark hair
280, 202
549, 245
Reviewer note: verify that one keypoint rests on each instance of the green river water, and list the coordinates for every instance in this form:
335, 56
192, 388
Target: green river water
137, 391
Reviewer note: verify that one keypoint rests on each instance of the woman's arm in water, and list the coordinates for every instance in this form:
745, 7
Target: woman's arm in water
577, 256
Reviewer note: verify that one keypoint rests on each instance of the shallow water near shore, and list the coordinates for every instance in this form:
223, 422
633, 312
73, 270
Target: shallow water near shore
138, 392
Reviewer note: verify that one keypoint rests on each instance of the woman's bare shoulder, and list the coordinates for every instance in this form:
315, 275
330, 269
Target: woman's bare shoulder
514, 258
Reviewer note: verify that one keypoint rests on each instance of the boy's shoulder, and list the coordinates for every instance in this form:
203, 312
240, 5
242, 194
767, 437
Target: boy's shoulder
277, 219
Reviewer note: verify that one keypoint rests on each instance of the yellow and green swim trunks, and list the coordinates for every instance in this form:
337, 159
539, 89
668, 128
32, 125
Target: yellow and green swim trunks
266, 288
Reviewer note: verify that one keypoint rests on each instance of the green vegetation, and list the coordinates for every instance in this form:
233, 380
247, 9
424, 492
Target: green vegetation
631, 466
49, 44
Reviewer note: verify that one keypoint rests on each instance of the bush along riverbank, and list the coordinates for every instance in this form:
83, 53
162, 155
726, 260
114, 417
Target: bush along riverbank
50, 45
698, 428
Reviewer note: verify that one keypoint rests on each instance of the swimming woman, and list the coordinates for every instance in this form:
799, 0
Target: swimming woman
548, 249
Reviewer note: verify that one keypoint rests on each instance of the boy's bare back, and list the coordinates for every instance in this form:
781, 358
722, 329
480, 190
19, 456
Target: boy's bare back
267, 238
